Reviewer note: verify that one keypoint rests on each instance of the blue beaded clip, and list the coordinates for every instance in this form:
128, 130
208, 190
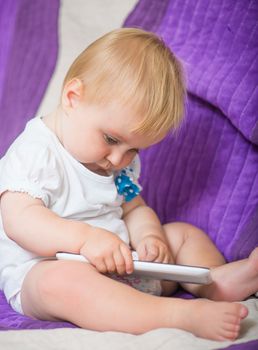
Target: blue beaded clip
125, 185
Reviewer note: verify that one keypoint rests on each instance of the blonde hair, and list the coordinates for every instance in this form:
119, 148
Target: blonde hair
138, 69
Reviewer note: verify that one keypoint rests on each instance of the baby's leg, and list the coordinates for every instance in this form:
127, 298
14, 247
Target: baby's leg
76, 292
190, 246
232, 282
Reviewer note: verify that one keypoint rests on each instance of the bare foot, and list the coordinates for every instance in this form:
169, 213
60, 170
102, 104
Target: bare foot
235, 281
211, 320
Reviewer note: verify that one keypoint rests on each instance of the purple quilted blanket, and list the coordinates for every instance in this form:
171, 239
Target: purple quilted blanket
28, 37
28, 51
206, 174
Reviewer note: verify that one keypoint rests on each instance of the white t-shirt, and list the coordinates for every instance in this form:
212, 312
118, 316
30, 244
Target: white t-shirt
37, 164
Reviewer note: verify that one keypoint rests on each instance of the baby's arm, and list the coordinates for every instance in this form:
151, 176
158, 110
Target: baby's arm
147, 236
36, 228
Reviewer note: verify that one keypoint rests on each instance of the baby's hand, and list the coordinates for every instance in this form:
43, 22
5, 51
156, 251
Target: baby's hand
152, 248
107, 252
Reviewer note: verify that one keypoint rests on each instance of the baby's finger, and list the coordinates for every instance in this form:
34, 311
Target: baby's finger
119, 262
162, 256
100, 265
165, 259
142, 252
110, 264
152, 253
168, 258
127, 254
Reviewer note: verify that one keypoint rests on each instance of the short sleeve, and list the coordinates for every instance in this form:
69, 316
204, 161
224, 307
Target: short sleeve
126, 180
31, 169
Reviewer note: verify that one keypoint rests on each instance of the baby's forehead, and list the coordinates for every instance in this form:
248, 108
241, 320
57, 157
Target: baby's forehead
132, 138
124, 122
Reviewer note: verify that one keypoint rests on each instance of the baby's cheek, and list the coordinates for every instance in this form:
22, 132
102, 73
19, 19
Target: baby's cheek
128, 159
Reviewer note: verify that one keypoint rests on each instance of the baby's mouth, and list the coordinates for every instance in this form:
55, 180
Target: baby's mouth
105, 165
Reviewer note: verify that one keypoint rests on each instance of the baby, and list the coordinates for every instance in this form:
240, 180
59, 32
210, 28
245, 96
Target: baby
69, 183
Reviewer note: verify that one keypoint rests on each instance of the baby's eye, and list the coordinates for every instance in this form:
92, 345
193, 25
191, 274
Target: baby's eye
134, 150
110, 140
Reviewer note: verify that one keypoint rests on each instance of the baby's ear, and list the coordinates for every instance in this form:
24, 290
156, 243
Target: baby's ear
72, 93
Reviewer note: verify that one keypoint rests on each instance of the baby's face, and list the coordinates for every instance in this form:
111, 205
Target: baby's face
100, 137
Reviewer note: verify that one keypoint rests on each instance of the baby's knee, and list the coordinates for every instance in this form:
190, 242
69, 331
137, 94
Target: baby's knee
183, 230
54, 280
51, 285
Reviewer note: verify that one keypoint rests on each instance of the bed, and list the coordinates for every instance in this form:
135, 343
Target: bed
205, 174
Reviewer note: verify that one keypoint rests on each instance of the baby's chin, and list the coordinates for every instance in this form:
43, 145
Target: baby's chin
104, 169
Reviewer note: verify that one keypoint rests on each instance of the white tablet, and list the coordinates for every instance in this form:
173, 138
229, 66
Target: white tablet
170, 272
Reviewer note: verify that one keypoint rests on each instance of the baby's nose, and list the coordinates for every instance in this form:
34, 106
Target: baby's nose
115, 157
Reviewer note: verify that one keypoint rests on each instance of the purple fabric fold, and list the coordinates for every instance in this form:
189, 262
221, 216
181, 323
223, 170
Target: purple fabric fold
251, 345
28, 37
217, 41
29, 46
207, 173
